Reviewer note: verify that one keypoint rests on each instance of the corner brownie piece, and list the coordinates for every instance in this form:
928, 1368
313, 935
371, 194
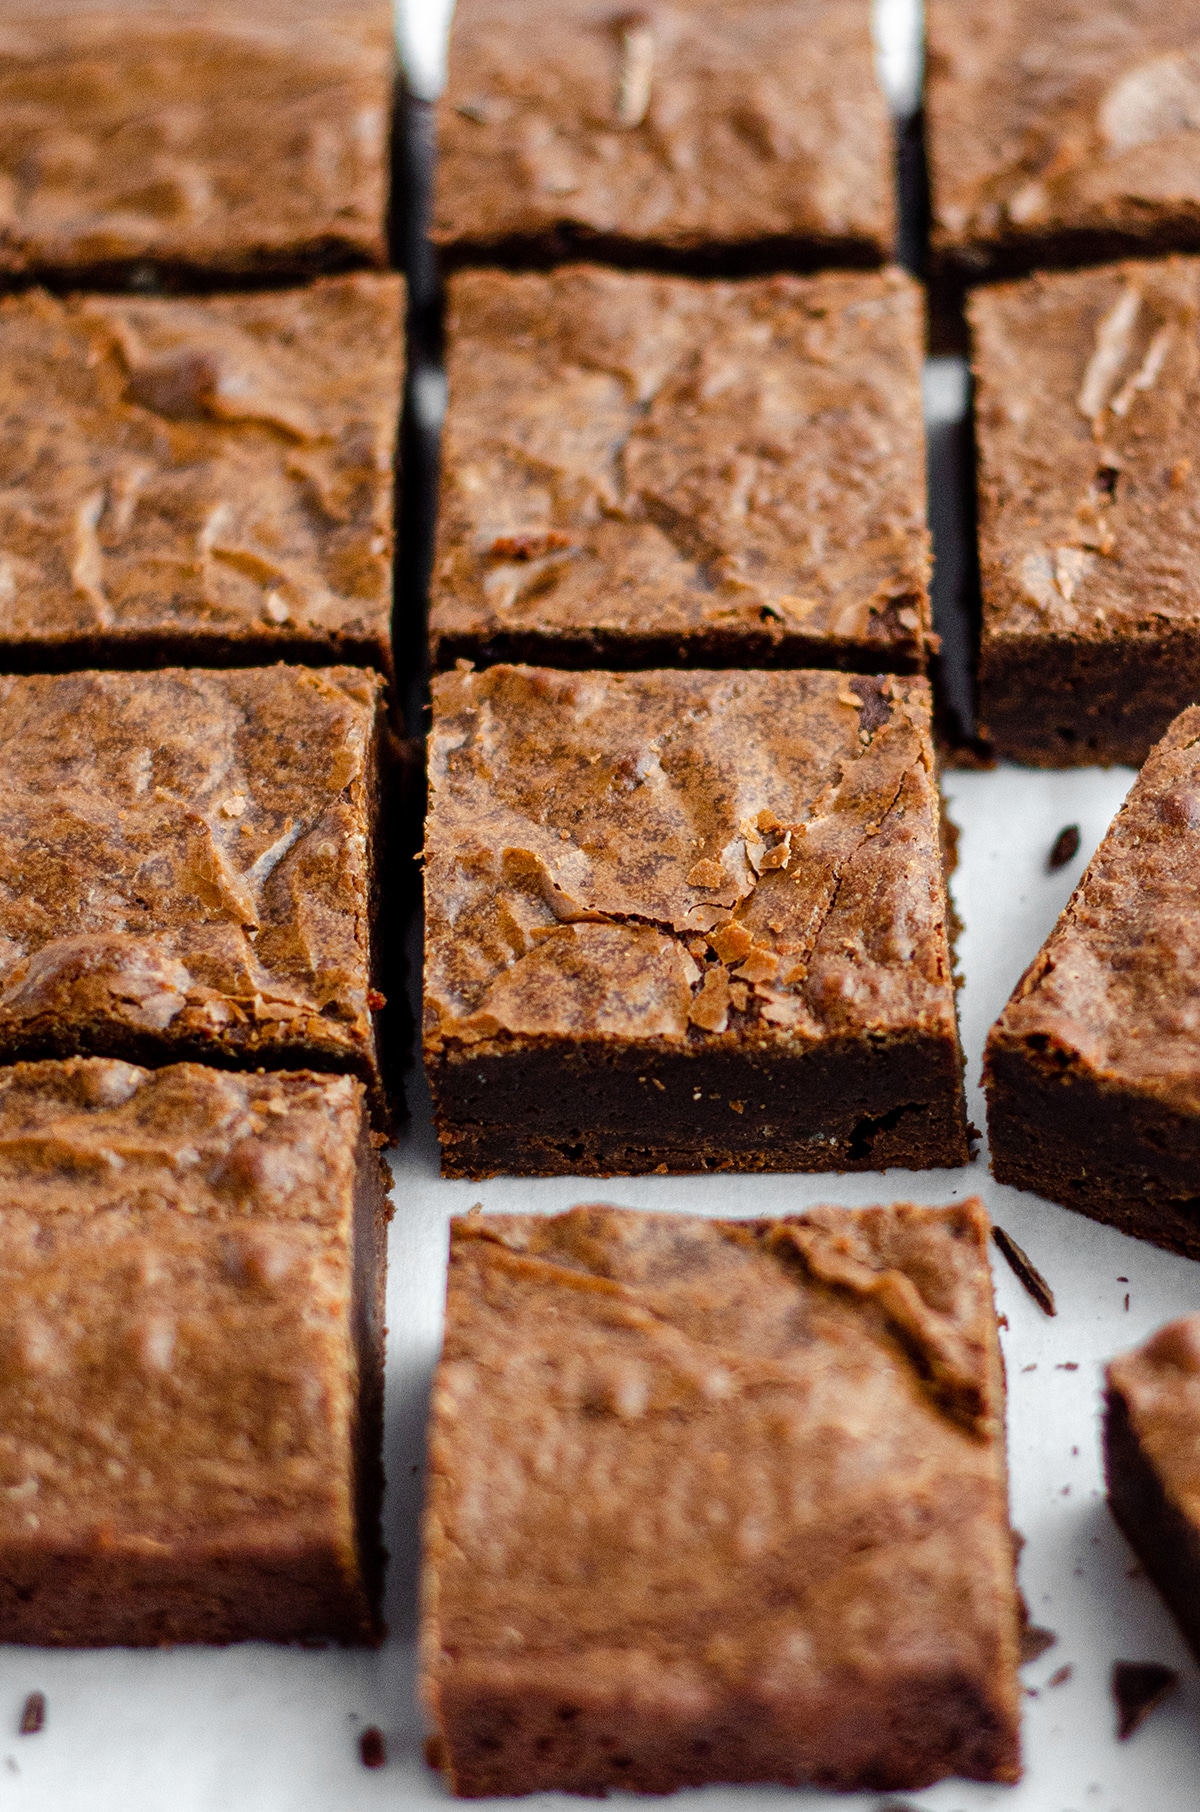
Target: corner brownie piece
1061, 132
719, 1501
643, 471
206, 480
686, 921
187, 867
194, 138
1093, 1069
1152, 1462
1087, 412
753, 134
191, 1281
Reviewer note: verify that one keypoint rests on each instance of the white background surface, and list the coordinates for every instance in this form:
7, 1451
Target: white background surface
256, 1729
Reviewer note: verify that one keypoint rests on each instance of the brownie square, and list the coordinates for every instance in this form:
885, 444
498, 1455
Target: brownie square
644, 470
1087, 412
191, 1280
1060, 133
1152, 1462
686, 921
719, 1501
187, 867
194, 139
206, 480
1093, 1069
749, 135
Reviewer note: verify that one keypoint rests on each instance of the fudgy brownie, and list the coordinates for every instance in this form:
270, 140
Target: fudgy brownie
1060, 133
206, 480
1088, 425
205, 138
687, 921
187, 866
1152, 1462
1093, 1069
191, 1272
645, 470
753, 134
719, 1501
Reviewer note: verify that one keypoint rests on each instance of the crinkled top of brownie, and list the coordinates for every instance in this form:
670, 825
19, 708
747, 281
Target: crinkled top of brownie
1088, 419
651, 454
205, 133
778, 1444
1047, 116
683, 856
219, 465
686, 124
93, 1134
1159, 1384
1115, 988
183, 854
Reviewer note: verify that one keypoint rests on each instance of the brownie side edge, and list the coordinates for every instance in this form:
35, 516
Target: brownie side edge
1165, 1542
706, 649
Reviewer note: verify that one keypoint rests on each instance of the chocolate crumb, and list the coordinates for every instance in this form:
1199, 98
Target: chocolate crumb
1122, 1280
33, 1714
1138, 1687
1127, 1299
1061, 1675
1035, 1641
1068, 1365
1064, 848
372, 1748
1025, 1271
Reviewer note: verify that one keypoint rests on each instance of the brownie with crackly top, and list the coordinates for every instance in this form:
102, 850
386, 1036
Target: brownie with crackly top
643, 471
205, 480
188, 867
749, 135
1087, 398
777, 1446
1061, 134
191, 1314
1092, 1070
687, 921
194, 140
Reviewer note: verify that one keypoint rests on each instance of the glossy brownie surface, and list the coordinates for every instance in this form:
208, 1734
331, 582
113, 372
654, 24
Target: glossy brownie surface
714, 870
1087, 400
644, 470
208, 478
1059, 132
185, 865
719, 1501
204, 138
749, 131
190, 1427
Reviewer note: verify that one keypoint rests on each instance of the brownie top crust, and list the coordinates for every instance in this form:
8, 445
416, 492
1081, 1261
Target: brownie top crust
1048, 119
1088, 421
184, 857
217, 467
1159, 1385
92, 1134
688, 127
198, 134
778, 1444
166, 1391
1115, 989
682, 856
630, 453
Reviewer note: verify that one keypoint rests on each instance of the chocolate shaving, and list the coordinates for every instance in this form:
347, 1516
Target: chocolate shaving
1138, 1688
1064, 848
1035, 1641
1061, 1675
33, 1714
1025, 1271
372, 1748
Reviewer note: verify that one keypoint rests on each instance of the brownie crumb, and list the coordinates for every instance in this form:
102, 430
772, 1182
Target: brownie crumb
1061, 1675
33, 1714
1025, 1271
1138, 1687
1035, 1641
1064, 849
1068, 1365
372, 1747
